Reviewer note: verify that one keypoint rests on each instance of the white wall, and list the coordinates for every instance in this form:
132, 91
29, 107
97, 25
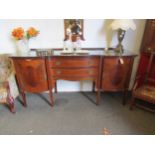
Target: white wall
96, 33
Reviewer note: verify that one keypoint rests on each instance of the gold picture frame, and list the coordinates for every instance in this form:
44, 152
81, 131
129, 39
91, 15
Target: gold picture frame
73, 27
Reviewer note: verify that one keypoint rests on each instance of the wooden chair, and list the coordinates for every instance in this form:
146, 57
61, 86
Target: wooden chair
145, 89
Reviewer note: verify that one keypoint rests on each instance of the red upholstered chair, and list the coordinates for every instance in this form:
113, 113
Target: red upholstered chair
144, 87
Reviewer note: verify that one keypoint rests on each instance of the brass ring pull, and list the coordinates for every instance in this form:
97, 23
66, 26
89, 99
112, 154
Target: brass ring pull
90, 62
28, 59
58, 63
90, 72
149, 48
58, 72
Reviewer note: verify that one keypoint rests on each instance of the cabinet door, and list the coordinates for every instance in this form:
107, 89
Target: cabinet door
31, 74
148, 42
116, 73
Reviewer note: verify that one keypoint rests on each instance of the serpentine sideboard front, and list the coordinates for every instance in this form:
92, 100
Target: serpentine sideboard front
107, 70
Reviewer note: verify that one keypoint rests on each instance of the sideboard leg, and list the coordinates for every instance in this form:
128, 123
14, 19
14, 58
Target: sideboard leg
98, 97
93, 89
124, 97
24, 98
132, 103
56, 90
51, 97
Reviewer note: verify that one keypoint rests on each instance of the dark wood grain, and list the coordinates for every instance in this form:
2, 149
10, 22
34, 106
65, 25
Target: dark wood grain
31, 75
74, 62
74, 72
148, 41
74, 69
114, 73
108, 73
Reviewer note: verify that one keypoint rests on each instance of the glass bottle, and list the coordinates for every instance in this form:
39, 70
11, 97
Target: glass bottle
78, 44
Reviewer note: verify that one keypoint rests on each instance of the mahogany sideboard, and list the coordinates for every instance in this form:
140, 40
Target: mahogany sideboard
107, 70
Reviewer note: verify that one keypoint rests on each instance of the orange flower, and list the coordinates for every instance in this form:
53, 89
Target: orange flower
32, 32
18, 33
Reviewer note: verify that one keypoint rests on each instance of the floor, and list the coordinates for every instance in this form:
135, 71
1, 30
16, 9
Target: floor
75, 114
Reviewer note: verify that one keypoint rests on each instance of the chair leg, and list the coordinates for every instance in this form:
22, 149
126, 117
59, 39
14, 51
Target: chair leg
11, 105
24, 98
10, 100
51, 97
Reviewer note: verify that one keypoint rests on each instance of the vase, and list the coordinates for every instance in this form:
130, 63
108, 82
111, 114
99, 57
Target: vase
22, 47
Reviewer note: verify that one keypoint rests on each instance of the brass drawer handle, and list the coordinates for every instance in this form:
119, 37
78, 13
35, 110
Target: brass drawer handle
28, 59
58, 72
90, 62
90, 72
58, 63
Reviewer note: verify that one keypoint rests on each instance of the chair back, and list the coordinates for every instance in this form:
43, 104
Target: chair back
150, 69
6, 67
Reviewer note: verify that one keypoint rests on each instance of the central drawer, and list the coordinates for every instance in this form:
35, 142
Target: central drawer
83, 72
74, 62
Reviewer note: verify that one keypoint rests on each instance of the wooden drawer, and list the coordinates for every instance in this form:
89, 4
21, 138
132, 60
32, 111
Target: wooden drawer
73, 62
74, 72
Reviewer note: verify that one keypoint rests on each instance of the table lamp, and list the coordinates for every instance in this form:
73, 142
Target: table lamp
122, 25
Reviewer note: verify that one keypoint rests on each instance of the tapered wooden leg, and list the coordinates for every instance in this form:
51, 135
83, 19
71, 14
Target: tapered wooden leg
56, 87
93, 89
24, 98
132, 103
124, 97
51, 97
98, 97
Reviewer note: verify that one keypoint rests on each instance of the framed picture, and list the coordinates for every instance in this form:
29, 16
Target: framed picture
73, 28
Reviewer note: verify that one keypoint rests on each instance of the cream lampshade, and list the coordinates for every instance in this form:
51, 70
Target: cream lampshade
122, 25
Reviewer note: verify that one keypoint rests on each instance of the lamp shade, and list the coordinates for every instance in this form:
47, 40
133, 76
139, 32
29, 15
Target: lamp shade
123, 24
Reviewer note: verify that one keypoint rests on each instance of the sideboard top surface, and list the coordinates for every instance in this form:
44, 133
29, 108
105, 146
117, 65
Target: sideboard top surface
84, 53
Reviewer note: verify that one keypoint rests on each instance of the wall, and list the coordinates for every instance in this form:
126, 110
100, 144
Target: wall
96, 33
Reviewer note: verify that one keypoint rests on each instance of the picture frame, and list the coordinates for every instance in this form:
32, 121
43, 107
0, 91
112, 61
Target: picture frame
73, 28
